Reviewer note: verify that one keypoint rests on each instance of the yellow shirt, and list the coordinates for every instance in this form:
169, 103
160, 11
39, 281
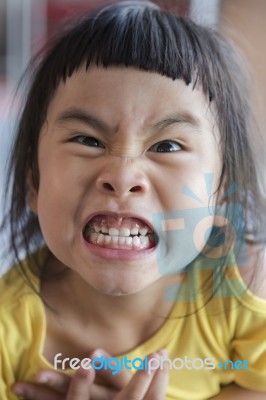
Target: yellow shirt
231, 326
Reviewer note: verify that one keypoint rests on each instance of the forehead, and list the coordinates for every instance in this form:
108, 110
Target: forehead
120, 92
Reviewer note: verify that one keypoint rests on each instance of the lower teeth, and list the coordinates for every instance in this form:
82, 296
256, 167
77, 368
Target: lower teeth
119, 242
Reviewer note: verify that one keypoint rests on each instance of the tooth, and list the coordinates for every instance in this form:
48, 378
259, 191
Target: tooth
136, 241
143, 231
115, 239
97, 228
100, 239
129, 240
121, 240
124, 232
93, 237
104, 229
144, 240
134, 231
113, 232
107, 239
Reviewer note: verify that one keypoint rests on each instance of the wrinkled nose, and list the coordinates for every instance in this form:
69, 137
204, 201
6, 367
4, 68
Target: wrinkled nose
122, 177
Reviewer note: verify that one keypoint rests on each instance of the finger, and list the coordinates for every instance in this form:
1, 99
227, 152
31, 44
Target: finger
158, 386
79, 388
54, 379
139, 384
35, 392
116, 379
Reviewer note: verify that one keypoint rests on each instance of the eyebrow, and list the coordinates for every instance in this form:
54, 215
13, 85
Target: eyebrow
80, 115
184, 117
77, 114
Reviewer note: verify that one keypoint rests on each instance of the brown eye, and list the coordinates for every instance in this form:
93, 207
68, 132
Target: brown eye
166, 146
87, 141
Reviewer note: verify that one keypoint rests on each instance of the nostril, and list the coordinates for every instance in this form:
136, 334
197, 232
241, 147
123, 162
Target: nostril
135, 189
109, 187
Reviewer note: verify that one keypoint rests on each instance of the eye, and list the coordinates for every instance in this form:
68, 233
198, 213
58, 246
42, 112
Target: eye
87, 141
165, 146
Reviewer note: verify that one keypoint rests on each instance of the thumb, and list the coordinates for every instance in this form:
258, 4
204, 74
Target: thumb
80, 385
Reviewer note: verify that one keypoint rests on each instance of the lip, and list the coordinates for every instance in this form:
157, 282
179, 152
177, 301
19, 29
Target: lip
119, 254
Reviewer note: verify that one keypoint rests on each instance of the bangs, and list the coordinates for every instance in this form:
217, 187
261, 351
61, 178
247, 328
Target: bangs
140, 36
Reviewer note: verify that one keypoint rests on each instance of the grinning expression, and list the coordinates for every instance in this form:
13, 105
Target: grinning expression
117, 147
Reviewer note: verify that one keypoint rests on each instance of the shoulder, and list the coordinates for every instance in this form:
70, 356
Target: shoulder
13, 288
19, 306
22, 323
20, 281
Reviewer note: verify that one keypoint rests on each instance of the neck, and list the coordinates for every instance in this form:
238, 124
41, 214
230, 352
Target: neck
136, 316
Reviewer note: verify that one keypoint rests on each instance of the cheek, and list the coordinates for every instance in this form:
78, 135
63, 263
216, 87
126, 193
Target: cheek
55, 207
183, 236
190, 185
52, 216
187, 218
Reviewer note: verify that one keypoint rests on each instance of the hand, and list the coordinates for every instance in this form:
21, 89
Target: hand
58, 386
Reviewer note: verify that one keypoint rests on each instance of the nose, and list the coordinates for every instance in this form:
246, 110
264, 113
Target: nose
122, 177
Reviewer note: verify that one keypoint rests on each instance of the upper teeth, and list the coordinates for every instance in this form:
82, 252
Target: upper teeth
121, 232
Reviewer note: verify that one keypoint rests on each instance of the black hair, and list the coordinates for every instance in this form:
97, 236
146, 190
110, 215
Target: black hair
141, 35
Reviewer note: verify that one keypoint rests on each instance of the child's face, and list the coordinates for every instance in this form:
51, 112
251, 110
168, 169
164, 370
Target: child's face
122, 143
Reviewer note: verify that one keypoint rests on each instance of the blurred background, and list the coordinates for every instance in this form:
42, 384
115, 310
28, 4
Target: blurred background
26, 24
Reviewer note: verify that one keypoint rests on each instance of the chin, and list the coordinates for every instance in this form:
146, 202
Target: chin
120, 287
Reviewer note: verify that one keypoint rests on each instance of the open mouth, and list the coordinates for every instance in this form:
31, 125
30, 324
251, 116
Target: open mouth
122, 233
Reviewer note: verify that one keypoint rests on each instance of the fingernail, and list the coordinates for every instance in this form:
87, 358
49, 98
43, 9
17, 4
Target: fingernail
83, 372
18, 390
164, 353
43, 379
97, 353
153, 355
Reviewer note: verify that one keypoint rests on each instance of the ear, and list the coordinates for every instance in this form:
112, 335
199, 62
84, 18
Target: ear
32, 193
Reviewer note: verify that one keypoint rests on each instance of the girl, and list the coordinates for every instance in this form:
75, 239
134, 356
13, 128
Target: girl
133, 182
